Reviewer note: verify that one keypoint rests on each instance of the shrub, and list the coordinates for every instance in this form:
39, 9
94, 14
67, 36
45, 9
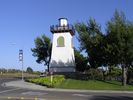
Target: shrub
46, 81
95, 74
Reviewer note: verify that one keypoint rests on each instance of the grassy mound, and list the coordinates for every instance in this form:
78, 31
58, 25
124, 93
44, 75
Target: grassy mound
59, 81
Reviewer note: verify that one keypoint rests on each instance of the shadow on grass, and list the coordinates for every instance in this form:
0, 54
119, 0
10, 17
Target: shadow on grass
85, 77
110, 82
76, 76
111, 98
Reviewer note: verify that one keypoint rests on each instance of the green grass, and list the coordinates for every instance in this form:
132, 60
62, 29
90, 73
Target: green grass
93, 85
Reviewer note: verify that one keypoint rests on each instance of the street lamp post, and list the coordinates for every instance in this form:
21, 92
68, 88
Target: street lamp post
21, 59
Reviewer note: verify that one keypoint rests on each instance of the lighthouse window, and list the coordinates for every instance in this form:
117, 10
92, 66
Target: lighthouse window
60, 42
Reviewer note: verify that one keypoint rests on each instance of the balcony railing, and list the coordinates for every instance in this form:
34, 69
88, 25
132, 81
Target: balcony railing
58, 29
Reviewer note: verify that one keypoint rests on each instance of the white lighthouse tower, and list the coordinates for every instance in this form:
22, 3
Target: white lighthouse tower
62, 57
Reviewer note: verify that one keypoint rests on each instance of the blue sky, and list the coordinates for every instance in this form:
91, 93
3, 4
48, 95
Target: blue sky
21, 21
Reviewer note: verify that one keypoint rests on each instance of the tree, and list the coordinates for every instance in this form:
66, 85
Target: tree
120, 39
112, 49
90, 38
42, 50
80, 61
29, 70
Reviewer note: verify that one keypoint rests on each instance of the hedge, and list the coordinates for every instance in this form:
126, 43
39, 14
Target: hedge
46, 81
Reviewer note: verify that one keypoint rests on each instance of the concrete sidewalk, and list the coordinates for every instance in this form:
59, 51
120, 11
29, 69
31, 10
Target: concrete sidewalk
27, 85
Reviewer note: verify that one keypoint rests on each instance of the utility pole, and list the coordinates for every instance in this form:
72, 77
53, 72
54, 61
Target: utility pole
21, 60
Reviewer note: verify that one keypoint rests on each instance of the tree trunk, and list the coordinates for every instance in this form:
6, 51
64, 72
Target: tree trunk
128, 75
110, 71
48, 68
104, 75
124, 75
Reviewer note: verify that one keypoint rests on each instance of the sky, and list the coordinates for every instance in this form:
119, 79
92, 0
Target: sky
21, 21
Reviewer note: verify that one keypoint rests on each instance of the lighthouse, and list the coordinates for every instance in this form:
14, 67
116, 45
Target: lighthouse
62, 57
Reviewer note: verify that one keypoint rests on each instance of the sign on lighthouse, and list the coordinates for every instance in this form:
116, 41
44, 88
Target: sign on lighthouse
62, 57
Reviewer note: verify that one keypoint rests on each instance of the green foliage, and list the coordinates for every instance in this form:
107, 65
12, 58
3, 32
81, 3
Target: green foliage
120, 39
29, 70
95, 74
114, 73
90, 38
80, 61
42, 50
46, 81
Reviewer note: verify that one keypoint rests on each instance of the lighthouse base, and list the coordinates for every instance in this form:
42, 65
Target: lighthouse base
62, 69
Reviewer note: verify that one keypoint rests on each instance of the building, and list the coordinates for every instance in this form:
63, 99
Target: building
62, 57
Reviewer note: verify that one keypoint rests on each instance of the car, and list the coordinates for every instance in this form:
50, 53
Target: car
43, 75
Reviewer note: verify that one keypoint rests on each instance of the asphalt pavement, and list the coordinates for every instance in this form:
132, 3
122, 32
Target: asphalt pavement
3, 81
15, 89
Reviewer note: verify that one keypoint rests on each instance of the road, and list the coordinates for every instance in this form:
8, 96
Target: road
15, 93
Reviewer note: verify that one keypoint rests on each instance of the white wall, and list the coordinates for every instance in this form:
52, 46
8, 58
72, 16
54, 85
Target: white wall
62, 56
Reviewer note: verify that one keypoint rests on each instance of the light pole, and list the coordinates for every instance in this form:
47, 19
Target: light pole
21, 59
